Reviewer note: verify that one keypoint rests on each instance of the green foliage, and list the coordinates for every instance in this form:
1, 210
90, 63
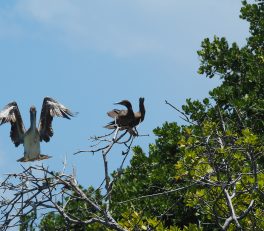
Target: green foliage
54, 221
152, 175
27, 222
137, 221
241, 70
195, 176
222, 149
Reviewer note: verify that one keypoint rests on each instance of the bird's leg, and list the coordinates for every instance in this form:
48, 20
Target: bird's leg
132, 131
43, 157
136, 131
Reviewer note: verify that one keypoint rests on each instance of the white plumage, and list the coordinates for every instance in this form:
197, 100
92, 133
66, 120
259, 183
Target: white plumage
33, 136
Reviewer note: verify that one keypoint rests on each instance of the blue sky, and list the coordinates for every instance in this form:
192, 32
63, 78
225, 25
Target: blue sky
90, 54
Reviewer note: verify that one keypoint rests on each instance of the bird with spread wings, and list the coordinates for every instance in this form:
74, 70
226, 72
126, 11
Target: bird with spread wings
127, 119
32, 137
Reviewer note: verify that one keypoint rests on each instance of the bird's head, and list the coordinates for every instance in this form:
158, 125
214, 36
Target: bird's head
32, 110
141, 100
33, 114
125, 103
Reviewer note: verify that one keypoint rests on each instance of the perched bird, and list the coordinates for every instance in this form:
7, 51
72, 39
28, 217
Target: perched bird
33, 136
122, 117
136, 119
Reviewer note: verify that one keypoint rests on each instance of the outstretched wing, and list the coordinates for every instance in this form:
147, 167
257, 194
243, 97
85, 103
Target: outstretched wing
114, 113
50, 109
118, 115
111, 125
11, 114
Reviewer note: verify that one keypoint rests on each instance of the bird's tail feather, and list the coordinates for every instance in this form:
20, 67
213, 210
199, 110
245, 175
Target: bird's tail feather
39, 157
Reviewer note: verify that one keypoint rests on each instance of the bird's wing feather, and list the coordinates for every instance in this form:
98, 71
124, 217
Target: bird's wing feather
50, 109
114, 113
142, 109
111, 125
11, 114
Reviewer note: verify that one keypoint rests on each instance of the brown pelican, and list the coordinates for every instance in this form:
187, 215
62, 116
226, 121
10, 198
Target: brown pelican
122, 117
33, 136
132, 123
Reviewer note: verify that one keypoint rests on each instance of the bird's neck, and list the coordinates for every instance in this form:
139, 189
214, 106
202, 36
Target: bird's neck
129, 107
33, 123
142, 109
130, 111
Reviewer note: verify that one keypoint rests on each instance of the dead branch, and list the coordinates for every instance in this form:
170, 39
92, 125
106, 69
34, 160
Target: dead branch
37, 188
184, 116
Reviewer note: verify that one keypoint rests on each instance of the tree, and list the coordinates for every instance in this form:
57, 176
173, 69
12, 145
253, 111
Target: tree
217, 159
206, 174
57, 197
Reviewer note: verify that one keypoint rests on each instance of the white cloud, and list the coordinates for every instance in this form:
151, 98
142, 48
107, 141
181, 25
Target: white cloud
101, 25
123, 27
47, 11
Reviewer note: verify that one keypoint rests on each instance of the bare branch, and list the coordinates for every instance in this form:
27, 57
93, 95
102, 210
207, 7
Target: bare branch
185, 117
156, 194
41, 192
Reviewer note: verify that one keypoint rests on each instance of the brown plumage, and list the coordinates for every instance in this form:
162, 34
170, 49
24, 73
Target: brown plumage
129, 124
122, 117
50, 109
33, 136
11, 114
140, 115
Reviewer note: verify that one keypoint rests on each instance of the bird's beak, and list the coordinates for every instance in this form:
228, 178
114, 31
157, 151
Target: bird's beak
117, 103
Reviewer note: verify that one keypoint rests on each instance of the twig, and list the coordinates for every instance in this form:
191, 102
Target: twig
185, 118
155, 194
